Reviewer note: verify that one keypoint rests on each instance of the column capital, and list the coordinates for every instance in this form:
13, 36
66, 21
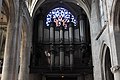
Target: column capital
115, 69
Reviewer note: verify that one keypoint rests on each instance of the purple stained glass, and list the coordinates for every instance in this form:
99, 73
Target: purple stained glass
61, 16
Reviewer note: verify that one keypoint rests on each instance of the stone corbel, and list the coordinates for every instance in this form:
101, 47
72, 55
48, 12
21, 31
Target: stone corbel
115, 69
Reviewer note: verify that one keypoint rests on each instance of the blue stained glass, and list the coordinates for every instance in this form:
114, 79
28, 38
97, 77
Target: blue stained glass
60, 15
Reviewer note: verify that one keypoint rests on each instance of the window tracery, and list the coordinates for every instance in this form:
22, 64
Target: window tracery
60, 16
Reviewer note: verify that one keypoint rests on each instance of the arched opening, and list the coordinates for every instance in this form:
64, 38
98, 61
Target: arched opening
61, 42
108, 73
106, 64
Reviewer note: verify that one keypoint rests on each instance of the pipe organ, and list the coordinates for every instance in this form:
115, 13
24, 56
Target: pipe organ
62, 45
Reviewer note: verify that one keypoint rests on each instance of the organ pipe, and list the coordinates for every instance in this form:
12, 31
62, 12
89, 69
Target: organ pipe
71, 37
52, 41
82, 28
40, 29
61, 46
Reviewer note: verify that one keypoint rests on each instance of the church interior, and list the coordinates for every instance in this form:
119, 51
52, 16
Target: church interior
59, 40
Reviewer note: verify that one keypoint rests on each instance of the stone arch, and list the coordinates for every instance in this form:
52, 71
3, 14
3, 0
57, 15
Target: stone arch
82, 4
37, 48
11, 42
106, 63
85, 7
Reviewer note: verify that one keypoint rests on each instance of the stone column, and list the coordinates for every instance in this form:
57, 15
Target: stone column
24, 58
71, 37
17, 58
61, 46
82, 28
10, 69
116, 71
52, 41
9, 54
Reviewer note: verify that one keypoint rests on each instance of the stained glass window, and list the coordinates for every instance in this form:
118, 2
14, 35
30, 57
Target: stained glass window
60, 16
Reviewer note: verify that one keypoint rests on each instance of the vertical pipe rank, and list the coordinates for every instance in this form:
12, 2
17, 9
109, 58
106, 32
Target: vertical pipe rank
61, 46
52, 41
82, 28
71, 37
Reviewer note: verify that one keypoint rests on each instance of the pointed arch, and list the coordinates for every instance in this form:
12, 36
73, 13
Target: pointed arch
106, 63
36, 4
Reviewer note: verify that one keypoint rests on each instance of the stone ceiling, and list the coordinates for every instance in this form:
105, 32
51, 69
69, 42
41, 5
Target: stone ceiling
54, 2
